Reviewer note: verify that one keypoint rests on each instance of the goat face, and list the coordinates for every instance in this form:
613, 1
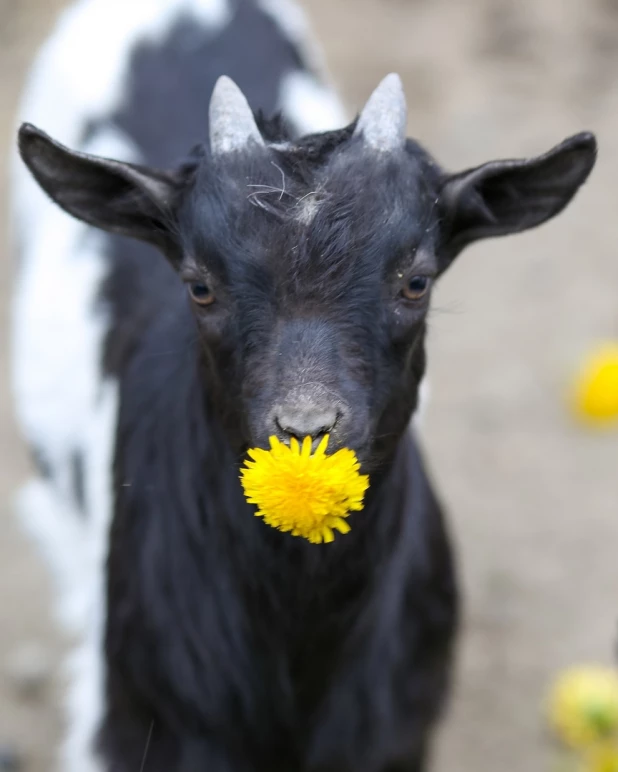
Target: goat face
309, 263
310, 284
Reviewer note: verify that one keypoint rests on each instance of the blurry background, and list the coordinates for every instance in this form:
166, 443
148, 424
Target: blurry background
533, 498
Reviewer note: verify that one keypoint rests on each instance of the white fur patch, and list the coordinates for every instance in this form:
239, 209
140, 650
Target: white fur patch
307, 209
423, 402
85, 702
84, 705
309, 105
76, 549
60, 533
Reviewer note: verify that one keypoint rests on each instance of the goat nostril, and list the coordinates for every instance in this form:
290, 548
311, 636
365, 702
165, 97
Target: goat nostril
301, 425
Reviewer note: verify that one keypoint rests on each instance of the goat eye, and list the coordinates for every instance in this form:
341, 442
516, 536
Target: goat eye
416, 287
201, 293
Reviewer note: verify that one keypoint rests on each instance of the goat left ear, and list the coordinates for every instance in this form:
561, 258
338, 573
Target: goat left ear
118, 197
503, 197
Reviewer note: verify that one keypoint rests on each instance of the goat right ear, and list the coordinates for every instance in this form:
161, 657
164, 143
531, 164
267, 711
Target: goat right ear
503, 197
118, 197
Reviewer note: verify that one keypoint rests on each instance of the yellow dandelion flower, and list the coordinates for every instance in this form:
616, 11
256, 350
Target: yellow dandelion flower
595, 396
309, 495
583, 706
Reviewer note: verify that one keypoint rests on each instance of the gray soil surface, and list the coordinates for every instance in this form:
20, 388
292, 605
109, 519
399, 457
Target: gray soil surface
533, 498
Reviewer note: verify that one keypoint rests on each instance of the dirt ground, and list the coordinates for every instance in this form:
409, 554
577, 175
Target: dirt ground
533, 498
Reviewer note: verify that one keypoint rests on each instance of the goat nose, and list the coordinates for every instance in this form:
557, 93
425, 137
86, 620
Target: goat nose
307, 422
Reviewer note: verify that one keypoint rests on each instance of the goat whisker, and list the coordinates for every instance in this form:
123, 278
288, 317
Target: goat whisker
270, 189
282, 179
311, 193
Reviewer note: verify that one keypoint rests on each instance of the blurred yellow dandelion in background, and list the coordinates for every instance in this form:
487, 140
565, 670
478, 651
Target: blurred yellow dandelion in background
309, 495
595, 397
601, 758
583, 710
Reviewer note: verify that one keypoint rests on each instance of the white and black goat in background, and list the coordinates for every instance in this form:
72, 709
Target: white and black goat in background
246, 275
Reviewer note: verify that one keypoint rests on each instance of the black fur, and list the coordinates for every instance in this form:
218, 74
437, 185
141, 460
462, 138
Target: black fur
232, 646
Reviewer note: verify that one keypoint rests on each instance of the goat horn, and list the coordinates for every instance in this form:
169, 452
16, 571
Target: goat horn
382, 122
232, 123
